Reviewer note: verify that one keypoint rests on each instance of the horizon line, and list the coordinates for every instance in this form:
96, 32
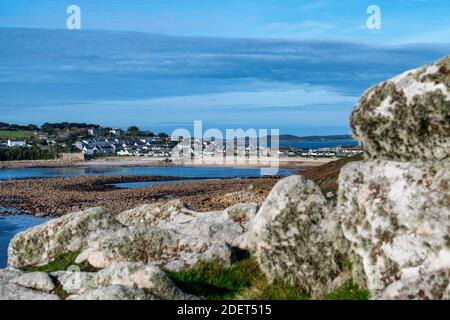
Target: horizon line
284, 39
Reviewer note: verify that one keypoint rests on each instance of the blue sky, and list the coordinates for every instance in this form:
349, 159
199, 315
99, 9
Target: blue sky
403, 21
302, 68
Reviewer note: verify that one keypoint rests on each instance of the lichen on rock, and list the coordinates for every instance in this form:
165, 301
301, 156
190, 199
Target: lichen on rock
429, 286
151, 214
396, 215
290, 237
167, 248
408, 117
114, 292
147, 278
13, 291
70, 233
141, 276
221, 227
35, 280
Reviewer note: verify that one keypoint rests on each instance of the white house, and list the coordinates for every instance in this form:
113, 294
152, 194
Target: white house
96, 132
116, 132
88, 151
123, 153
17, 143
176, 138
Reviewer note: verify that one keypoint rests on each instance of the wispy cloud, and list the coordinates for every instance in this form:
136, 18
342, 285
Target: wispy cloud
431, 36
285, 107
119, 78
307, 28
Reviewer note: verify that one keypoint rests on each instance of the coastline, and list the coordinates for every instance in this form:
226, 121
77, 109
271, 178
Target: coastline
285, 163
59, 195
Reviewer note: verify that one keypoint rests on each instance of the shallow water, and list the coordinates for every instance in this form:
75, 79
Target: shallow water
10, 225
134, 185
6, 210
184, 172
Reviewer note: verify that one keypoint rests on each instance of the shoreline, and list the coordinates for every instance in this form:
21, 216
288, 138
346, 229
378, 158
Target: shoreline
55, 196
58, 196
283, 163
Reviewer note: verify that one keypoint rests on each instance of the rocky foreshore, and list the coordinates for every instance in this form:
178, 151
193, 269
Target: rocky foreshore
133, 162
57, 196
387, 237
297, 163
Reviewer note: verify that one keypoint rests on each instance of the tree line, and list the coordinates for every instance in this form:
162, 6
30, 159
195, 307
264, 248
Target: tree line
134, 130
32, 153
52, 127
46, 126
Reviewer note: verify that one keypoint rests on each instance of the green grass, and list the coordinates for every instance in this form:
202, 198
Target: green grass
275, 291
244, 280
347, 264
15, 134
212, 281
61, 263
348, 291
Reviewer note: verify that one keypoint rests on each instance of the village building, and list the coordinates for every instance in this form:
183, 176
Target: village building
16, 143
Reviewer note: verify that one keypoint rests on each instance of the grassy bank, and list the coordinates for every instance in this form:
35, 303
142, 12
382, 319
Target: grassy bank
244, 280
326, 175
62, 263
19, 134
210, 281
